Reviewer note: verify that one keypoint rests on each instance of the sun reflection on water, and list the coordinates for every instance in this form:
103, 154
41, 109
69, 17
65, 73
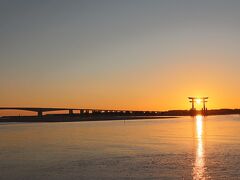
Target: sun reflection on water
199, 165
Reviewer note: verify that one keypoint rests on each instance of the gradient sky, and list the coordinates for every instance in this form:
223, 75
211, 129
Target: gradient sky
128, 54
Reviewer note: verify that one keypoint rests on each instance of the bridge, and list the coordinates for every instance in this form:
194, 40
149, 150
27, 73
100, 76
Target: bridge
40, 111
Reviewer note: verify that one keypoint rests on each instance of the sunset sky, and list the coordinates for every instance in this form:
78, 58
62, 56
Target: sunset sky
129, 54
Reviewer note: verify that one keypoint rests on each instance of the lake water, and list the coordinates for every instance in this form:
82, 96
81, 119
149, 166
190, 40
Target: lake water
180, 148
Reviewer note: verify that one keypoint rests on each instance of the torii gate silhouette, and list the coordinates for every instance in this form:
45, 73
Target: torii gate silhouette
203, 100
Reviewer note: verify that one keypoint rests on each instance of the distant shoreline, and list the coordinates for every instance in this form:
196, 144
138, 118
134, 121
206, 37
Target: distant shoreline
106, 116
76, 118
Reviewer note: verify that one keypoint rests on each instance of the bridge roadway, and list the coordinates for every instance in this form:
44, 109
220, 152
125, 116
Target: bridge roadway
40, 111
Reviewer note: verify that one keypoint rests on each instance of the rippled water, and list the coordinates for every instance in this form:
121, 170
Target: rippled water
182, 148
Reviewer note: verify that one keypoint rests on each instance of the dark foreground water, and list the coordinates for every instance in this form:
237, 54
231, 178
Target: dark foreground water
182, 148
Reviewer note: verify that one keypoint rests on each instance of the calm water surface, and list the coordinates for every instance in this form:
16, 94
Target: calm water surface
182, 148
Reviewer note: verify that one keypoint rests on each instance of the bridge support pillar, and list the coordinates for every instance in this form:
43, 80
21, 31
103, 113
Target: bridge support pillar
81, 111
70, 112
40, 113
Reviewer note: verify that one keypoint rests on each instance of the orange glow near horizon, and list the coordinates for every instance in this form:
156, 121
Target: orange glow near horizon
129, 99
144, 103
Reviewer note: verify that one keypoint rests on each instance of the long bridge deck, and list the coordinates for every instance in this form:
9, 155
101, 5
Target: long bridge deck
40, 110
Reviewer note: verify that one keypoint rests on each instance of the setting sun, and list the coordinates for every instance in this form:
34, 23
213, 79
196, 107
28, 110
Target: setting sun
198, 101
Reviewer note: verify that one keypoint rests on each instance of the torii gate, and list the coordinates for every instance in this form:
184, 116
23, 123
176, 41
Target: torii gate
202, 99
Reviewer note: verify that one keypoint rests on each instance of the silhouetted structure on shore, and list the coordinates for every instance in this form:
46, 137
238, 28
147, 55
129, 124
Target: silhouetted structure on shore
202, 100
